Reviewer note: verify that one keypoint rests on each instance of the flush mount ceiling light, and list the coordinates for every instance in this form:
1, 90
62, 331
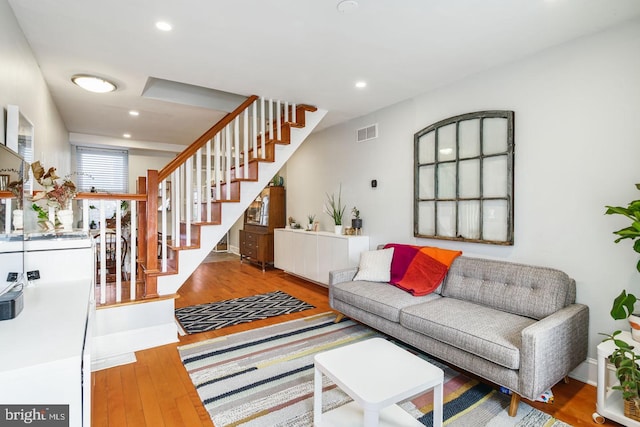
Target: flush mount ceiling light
134, 113
163, 26
361, 84
126, 135
345, 6
93, 83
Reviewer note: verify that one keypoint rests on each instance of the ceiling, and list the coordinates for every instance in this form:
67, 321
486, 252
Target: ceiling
303, 51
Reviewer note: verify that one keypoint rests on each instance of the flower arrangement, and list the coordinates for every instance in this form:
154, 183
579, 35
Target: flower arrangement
334, 208
58, 195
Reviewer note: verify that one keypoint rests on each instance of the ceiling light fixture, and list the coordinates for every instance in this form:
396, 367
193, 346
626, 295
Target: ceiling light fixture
345, 6
93, 83
126, 135
163, 26
361, 84
134, 113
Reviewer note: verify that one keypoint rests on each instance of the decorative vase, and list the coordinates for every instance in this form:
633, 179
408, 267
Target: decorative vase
338, 229
309, 227
52, 215
634, 322
18, 219
356, 223
65, 216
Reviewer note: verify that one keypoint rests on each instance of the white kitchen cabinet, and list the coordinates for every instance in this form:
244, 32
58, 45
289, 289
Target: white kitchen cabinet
312, 255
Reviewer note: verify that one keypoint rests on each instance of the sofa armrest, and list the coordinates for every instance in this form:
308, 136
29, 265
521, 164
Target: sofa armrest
344, 275
552, 347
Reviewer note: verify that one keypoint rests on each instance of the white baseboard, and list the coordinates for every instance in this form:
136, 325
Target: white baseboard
110, 362
587, 372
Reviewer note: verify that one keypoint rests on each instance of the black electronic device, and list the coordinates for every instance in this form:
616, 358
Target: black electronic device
11, 304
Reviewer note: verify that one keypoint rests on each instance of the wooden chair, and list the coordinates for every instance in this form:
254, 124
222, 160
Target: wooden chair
111, 262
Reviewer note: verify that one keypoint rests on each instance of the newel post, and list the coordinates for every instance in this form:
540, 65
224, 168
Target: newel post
150, 234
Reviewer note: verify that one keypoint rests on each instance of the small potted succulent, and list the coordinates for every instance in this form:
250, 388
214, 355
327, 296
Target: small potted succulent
311, 218
356, 221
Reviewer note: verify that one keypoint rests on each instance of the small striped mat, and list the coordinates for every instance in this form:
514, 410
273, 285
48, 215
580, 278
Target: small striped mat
219, 314
264, 377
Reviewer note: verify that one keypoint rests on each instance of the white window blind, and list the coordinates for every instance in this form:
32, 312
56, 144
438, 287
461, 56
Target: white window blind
104, 170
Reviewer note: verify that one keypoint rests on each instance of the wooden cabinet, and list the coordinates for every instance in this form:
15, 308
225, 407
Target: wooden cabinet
313, 255
264, 214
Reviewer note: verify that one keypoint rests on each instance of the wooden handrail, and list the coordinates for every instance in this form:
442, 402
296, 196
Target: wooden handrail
200, 142
114, 196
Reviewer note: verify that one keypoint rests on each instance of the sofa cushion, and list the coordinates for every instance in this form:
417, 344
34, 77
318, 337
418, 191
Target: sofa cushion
517, 288
491, 334
377, 298
375, 266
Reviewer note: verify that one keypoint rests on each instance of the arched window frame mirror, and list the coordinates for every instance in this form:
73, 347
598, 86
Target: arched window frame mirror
463, 178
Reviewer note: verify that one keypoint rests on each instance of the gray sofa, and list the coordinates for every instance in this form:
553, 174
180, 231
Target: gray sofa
515, 325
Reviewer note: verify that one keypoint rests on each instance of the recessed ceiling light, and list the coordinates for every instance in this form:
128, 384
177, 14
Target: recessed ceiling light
163, 26
361, 84
126, 135
345, 6
134, 113
93, 83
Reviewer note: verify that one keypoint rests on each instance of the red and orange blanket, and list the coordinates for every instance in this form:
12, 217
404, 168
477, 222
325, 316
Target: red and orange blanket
419, 270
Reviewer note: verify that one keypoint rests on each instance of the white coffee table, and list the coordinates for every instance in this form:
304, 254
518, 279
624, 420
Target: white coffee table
376, 374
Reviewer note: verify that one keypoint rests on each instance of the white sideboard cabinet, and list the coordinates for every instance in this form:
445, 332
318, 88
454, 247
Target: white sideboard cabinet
312, 255
45, 356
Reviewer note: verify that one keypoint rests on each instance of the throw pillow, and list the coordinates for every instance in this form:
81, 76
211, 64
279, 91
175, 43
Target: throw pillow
419, 270
375, 266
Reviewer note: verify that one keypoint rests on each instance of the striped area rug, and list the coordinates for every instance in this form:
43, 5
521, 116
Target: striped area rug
264, 377
219, 314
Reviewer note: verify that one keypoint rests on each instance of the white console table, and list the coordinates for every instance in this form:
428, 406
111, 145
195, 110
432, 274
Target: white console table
45, 357
312, 255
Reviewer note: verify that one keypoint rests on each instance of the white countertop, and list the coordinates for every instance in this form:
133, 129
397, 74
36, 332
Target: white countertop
50, 327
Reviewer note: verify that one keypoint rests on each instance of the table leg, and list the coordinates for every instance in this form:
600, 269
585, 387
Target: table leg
317, 397
437, 405
371, 418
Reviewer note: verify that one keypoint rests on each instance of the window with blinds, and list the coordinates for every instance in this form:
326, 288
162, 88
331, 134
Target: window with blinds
104, 170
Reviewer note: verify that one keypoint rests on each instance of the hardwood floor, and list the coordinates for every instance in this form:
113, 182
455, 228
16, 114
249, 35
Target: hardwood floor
156, 391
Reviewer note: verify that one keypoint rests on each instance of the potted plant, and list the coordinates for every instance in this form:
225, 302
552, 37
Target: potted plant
311, 218
623, 305
356, 221
335, 209
623, 357
625, 361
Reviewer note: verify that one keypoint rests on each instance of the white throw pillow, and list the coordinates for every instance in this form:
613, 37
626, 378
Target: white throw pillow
375, 266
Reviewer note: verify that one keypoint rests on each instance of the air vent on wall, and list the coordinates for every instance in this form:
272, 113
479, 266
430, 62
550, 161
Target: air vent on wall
367, 133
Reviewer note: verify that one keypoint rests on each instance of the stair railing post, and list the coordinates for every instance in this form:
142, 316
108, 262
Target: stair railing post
151, 280
142, 224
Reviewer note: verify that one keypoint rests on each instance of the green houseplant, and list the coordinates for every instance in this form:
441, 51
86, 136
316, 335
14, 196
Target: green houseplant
623, 305
624, 357
335, 209
625, 361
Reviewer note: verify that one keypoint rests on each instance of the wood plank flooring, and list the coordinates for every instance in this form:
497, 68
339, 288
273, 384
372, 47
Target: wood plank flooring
156, 390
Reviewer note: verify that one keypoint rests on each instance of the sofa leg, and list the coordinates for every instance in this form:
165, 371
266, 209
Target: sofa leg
339, 317
513, 407
566, 379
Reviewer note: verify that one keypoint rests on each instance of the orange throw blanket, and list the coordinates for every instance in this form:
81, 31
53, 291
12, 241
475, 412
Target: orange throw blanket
419, 270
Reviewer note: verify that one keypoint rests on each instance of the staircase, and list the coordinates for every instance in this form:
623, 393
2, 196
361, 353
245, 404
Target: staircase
182, 212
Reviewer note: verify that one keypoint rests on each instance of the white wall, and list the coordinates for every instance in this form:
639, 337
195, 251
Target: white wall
22, 84
577, 137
